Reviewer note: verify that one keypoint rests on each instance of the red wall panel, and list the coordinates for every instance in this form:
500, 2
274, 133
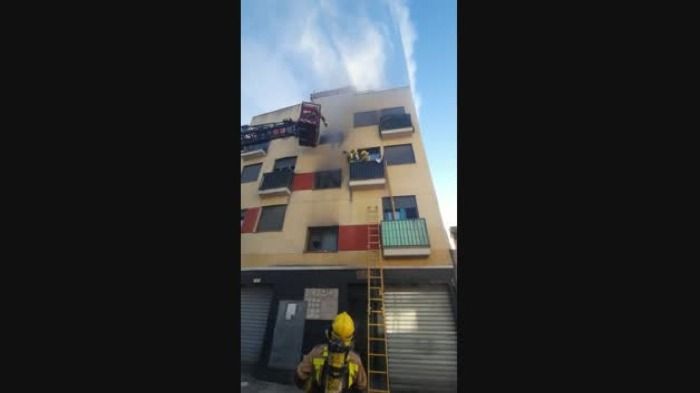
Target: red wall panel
250, 219
353, 237
303, 181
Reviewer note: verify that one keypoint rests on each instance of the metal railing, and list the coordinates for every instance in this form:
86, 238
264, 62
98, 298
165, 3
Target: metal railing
392, 122
405, 233
277, 179
365, 170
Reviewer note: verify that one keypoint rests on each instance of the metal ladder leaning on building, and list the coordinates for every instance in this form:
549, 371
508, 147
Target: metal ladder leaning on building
377, 357
377, 347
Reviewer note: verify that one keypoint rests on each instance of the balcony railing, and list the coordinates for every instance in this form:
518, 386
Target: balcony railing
395, 124
405, 237
278, 182
366, 173
363, 170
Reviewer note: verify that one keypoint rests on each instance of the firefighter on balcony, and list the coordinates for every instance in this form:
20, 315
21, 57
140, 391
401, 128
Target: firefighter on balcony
333, 367
352, 155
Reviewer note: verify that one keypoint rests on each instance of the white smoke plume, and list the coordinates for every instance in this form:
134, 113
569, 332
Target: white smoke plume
402, 18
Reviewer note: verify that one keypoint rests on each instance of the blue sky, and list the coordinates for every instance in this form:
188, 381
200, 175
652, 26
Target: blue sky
290, 48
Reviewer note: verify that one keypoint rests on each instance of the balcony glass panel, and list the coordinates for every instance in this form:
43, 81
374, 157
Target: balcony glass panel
405, 233
365, 170
395, 121
277, 179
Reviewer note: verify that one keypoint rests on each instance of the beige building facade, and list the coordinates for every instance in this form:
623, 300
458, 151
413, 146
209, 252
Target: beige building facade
306, 226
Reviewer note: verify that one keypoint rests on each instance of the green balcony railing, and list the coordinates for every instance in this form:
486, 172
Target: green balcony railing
405, 233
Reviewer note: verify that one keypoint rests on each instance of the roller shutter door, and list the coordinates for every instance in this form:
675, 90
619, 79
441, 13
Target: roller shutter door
255, 308
422, 339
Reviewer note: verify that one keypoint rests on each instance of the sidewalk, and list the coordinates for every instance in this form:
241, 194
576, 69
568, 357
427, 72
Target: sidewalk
252, 385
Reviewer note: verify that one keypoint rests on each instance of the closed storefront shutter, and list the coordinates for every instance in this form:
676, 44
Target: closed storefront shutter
255, 308
422, 339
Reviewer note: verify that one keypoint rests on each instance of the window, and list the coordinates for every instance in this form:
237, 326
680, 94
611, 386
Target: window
323, 239
327, 179
371, 118
375, 153
242, 217
334, 138
399, 110
363, 119
406, 208
399, 154
250, 173
285, 164
272, 218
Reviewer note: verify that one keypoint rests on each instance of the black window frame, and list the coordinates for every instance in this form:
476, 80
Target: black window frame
334, 228
262, 222
397, 110
275, 168
243, 217
387, 210
336, 176
257, 175
365, 119
331, 138
405, 162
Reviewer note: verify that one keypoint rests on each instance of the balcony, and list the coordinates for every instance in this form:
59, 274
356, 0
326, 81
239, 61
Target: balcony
255, 151
405, 238
395, 125
366, 174
276, 183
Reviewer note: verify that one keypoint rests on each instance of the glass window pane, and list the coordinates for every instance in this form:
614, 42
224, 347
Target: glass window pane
327, 179
406, 208
399, 154
363, 119
250, 173
272, 218
287, 163
399, 110
323, 239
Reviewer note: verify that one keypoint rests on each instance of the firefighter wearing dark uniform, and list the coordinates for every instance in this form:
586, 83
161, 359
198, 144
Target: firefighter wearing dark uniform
333, 367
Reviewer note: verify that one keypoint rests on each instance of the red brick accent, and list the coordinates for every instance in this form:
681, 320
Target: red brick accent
250, 220
353, 237
303, 181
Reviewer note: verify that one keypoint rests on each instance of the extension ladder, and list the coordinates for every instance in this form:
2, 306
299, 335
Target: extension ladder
377, 355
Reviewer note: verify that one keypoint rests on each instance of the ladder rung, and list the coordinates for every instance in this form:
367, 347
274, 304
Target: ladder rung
377, 390
377, 338
375, 324
377, 311
375, 287
375, 276
376, 354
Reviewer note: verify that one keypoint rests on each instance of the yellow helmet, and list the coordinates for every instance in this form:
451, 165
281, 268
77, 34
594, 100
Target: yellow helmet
343, 327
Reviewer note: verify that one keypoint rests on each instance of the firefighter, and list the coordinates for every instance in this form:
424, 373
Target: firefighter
351, 155
333, 367
364, 155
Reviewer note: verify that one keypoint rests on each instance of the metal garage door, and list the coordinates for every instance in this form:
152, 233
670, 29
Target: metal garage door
422, 339
255, 308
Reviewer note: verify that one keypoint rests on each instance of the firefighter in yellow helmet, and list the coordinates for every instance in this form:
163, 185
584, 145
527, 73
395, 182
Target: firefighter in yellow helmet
333, 367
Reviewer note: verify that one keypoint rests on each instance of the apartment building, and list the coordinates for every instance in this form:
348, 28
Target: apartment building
307, 224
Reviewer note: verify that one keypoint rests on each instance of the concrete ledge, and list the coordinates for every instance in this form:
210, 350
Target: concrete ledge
397, 131
367, 183
275, 191
253, 154
406, 251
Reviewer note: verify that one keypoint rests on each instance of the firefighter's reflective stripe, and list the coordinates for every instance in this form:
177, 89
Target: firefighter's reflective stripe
352, 373
318, 364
